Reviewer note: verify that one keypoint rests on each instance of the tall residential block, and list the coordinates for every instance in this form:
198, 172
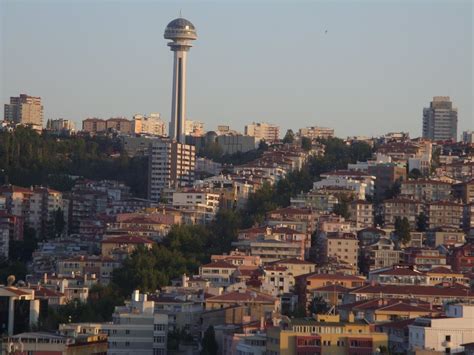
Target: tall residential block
171, 165
25, 110
261, 130
440, 120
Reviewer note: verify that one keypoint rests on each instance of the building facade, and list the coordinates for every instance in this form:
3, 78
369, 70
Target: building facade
25, 110
440, 120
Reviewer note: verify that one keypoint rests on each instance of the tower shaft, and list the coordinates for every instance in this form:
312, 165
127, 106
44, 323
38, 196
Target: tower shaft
178, 104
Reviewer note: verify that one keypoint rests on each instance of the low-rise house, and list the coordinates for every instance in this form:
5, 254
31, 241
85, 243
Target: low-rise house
219, 273
461, 258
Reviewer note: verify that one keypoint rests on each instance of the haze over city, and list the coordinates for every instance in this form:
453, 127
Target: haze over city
361, 68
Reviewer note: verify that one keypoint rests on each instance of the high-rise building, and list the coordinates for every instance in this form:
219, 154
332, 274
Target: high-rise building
151, 124
467, 137
25, 110
440, 120
180, 31
263, 131
171, 164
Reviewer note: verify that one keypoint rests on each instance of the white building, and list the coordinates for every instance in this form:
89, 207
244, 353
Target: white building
361, 184
193, 128
135, 329
61, 125
199, 200
261, 130
151, 124
172, 165
444, 334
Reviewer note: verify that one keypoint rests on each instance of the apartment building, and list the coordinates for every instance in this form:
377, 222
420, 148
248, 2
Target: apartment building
444, 214
385, 176
361, 214
61, 126
338, 246
197, 199
401, 207
171, 165
325, 334
26, 110
314, 132
440, 120
426, 190
263, 131
151, 124
44, 203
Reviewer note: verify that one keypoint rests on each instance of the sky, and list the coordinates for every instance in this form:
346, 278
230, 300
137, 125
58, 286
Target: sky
372, 72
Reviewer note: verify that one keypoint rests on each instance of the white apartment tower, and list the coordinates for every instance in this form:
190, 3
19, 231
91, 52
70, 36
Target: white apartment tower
171, 165
440, 120
180, 31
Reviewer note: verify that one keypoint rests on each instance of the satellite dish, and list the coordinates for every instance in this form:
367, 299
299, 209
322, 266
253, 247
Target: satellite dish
10, 280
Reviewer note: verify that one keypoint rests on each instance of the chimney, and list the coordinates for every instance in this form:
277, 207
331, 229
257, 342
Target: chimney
184, 280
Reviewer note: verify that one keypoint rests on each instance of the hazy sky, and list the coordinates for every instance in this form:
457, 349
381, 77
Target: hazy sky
376, 68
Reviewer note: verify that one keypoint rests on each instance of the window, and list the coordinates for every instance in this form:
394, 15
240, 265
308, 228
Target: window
448, 337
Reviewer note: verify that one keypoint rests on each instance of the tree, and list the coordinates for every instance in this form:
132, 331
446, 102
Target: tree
394, 190
415, 174
342, 209
402, 230
421, 222
59, 222
318, 306
289, 136
306, 143
209, 343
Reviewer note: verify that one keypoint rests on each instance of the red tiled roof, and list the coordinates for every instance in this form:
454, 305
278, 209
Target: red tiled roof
399, 272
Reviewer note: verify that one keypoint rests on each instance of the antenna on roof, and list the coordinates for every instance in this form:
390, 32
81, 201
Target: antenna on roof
180, 13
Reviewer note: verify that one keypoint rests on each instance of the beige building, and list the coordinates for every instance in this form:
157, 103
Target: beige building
119, 125
43, 204
171, 165
361, 214
25, 110
94, 125
101, 266
426, 190
263, 131
401, 207
151, 124
338, 246
444, 214
316, 132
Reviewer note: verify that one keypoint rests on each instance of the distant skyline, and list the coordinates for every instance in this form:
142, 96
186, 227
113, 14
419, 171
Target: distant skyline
373, 71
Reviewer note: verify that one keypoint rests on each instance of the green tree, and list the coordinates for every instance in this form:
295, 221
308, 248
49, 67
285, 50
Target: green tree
306, 143
289, 136
209, 343
394, 190
342, 209
318, 306
421, 222
402, 230
415, 174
